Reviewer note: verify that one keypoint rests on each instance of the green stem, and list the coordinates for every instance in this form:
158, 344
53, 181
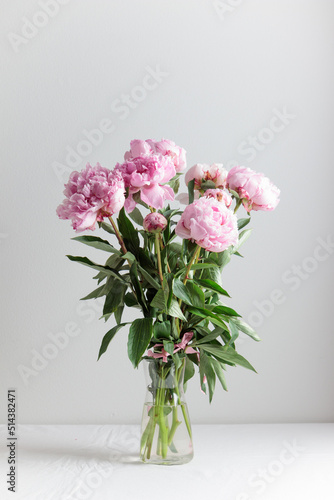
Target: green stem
162, 247
238, 203
157, 251
185, 416
119, 237
195, 255
175, 425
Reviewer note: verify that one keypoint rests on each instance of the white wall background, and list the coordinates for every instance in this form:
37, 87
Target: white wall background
226, 69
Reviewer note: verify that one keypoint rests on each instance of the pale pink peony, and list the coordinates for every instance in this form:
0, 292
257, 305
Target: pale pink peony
155, 223
163, 147
202, 172
147, 174
91, 195
256, 191
220, 195
209, 223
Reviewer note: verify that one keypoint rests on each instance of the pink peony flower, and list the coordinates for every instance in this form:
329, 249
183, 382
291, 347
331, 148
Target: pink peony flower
155, 223
256, 191
209, 223
147, 174
202, 172
91, 195
163, 147
220, 195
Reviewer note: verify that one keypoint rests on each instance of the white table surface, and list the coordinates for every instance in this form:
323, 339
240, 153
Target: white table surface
232, 462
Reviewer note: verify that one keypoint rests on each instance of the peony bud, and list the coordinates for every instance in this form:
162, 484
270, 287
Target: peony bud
155, 223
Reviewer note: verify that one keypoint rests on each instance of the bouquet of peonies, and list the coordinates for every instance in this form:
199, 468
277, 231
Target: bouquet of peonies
169, 264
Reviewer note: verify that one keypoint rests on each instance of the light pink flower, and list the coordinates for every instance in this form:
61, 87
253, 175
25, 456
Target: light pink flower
220, 195
256, 191
155, 223
164, 147
91, 195
209, 223
147, 174
202, 172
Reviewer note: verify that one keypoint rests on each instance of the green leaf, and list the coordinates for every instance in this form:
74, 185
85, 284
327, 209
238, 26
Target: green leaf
194, 267
205, 313
217, 366
205, 368
130, 300
159, 301
98, 292
168, 346
234, 332
114, 262
136, 216
129, 256
108, 338
226, 257
87, 262
174, 310
118, 314
235, 194
176, 248
137, 287
114, 298
96, 242
128, 232
208, 185
207, 338
243, 236
196, 294
191, 186
161, 330
211, 285
227, 311
243, 222
189, 370
106, 227
181, 292
228, 354
149, 278
139, 338
174, 183
214, 274
245, 328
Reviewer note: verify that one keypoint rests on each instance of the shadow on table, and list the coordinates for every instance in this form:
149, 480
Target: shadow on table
111, 455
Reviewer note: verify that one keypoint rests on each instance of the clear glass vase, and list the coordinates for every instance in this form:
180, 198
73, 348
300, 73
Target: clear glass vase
166, 437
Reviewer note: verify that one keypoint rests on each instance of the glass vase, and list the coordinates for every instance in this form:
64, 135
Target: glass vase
166, 437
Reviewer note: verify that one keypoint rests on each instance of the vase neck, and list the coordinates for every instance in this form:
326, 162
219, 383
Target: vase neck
164, 376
